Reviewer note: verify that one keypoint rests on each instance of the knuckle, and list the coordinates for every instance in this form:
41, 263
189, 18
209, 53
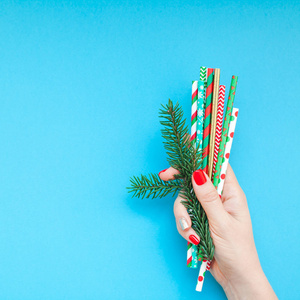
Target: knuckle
176, 205
226, 224
210, 196
182, 233
242, 195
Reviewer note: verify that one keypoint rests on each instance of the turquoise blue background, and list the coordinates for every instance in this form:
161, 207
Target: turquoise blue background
81, 83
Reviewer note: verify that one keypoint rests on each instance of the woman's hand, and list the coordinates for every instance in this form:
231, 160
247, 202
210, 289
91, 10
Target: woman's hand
235, 265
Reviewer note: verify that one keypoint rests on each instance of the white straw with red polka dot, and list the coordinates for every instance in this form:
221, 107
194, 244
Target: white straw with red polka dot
201, 276
228, 145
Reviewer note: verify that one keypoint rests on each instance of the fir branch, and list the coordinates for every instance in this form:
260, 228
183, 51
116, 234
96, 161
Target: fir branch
152, 186
182, 155
174, 133
186, 158
199, 223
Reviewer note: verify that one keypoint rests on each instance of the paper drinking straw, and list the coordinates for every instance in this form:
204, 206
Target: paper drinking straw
203, 78
205, 266
232, 124
189, 255
192, 256
225, 129
203, 71
200, 114
219, 124
208, 265
201, 276
200, 106
194, 112
207, 116
213, 122
192, 261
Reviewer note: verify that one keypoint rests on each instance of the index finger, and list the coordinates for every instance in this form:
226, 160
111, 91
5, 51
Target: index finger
168, 174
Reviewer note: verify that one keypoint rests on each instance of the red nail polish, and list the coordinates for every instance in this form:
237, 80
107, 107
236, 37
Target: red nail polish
199, 177
162, 171
194, 240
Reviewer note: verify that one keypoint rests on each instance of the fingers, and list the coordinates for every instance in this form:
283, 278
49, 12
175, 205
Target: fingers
231, 185
208, 197
232, 191
230, 176
183, 222
168, 174
235, 201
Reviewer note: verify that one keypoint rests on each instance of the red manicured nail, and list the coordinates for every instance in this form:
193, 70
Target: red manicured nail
199, 177
162, 171
194, 240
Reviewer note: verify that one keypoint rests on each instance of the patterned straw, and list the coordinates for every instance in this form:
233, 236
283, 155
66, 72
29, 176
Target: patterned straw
219, 124
194, 112
213, 122
207, 116
225, 129
192, 250
201, 106
232, 124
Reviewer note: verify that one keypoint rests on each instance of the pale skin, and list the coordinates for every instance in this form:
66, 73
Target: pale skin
236, 265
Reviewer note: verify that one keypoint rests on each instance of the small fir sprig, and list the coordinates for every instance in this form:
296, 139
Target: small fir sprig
152, 185
186, 158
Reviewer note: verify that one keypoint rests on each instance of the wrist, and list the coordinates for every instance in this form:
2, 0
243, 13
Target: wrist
250, 285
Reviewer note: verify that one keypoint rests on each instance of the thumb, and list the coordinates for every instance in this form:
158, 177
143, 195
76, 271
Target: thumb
208, 197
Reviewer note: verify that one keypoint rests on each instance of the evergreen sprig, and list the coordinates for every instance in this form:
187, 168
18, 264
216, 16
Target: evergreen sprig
186, 158
152, 186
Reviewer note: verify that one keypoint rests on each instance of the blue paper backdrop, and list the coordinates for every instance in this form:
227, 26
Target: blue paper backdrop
81, 84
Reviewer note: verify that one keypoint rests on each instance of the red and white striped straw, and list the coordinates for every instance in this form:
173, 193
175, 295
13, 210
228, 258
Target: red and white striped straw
194, 112
193, 249
219, 124
234, 115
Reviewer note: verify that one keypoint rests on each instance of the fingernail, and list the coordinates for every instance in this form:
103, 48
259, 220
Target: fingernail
194, 240
183, 224
162, 171
199, 177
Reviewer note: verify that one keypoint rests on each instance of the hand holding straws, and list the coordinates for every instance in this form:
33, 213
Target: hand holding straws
217, 140
209, 149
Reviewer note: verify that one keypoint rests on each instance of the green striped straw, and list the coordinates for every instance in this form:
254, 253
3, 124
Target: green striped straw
230, 101
203, 71
193, 249
200, 106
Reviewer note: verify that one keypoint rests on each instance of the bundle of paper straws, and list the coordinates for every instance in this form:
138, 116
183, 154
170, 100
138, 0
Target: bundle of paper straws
214, 138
